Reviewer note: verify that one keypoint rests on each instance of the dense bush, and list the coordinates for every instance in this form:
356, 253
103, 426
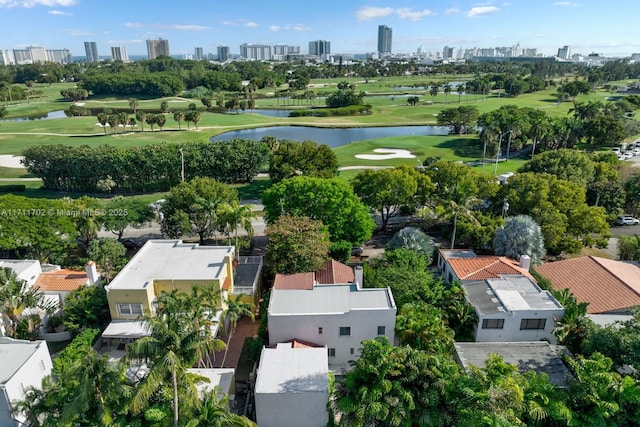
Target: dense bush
12, 188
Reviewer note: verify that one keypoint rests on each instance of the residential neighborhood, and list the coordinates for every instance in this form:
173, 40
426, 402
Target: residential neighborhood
357, 234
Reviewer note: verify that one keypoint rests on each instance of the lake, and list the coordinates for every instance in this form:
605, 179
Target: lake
333, 137
60, 114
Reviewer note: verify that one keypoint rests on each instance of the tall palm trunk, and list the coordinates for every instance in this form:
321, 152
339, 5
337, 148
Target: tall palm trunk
174, 380
455, 225
226, 350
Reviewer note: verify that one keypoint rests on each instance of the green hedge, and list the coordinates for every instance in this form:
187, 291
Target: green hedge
12, 188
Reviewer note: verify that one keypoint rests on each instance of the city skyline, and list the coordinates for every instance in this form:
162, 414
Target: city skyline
350, 27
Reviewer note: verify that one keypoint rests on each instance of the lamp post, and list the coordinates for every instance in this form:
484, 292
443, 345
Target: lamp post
182, 165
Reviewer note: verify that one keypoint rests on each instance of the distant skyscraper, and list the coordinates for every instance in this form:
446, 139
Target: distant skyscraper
223, 53
319, 47
61, 56
119, 53
447, 52
157, 48
6, 57
256, 52
199, 54
91, 49
384, 39
564, 52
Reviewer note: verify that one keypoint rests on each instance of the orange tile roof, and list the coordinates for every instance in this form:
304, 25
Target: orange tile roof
485, 267
296, 343
335, 272
61, 280
294, 281
607, 285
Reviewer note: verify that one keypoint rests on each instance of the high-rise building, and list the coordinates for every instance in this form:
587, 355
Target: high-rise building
119, 53
564, 52
319, 47
158, 47
91, 49
35, 54
384, 40
223, 53
7, 58
447, 52
256, 52
61, 56
199, 54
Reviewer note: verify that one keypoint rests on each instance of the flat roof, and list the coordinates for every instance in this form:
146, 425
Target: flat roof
538, 356
172, 260
329, 299
293, 370
507, 294
220, 377
126, 329
14, 354
18, 265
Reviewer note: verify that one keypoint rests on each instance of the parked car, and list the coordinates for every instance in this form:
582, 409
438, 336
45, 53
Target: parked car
357, 251
616, 150
622, 157
627, 220
131, 243
628, 154
636, 151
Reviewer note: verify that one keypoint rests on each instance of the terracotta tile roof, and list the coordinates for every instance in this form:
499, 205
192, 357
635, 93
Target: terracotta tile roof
607, 285
294, 281
335, 272
61, 280
485, 267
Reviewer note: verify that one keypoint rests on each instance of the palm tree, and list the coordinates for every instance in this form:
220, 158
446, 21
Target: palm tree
236, 308
195, 118
178, 116
133, 103
235, 216
15, 297
161, 119
123, 119
447, 91
433, 92
141, 117
151, 120
460, 90
214, 412
520, 235
131, 122
113, 121
103, 118
169, 352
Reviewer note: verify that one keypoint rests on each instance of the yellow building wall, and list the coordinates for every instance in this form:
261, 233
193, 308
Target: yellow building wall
130, 296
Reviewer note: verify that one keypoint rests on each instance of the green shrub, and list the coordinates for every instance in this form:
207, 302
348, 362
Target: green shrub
12, 188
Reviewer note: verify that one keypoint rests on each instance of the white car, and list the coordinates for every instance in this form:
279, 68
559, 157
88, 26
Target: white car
616, 150
636, 151
627, 220
622, 157
628, 154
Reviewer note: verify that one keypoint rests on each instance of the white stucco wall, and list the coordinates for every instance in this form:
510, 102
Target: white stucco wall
30, 374
364, 326
511, 330
307, 409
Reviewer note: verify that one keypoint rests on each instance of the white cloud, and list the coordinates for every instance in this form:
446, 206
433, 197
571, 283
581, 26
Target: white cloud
231, 23
481, 11
275, 28
250, 24
58, 12
412, 15
73, 32
189, 27
565, 4
33, 3
123, 42
133, 25
368, 13
451, 11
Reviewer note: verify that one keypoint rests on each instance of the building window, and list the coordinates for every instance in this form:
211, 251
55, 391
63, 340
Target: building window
320, 330
382, 330
129, 309
345, 331
532, 323
492, 323
332, 352
351, 351
449, 278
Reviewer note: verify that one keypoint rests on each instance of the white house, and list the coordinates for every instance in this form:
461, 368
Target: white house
513, 308
24, 365
292, 386
339, 316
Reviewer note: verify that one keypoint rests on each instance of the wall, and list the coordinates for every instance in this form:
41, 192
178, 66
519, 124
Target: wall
364, 326
120, 296
29, 375
511, 330
292, 409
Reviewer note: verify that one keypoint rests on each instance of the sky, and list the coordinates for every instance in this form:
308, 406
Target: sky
587, 26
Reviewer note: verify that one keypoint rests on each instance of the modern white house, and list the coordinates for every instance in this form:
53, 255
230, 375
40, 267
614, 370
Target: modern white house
513, 308
339, 316
292, 386
23, 365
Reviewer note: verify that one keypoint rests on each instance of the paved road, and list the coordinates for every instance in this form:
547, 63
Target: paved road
629, 230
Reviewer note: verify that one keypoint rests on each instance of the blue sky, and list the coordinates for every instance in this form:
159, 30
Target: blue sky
350, 25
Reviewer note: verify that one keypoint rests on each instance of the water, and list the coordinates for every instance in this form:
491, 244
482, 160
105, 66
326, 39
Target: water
60, 114
333, 137
270, 113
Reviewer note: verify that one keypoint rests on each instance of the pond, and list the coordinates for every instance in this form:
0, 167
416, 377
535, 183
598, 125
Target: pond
265, 112
60, 114
333, 137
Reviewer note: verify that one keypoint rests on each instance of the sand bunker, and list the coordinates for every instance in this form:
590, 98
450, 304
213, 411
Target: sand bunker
390, 154
9, 161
